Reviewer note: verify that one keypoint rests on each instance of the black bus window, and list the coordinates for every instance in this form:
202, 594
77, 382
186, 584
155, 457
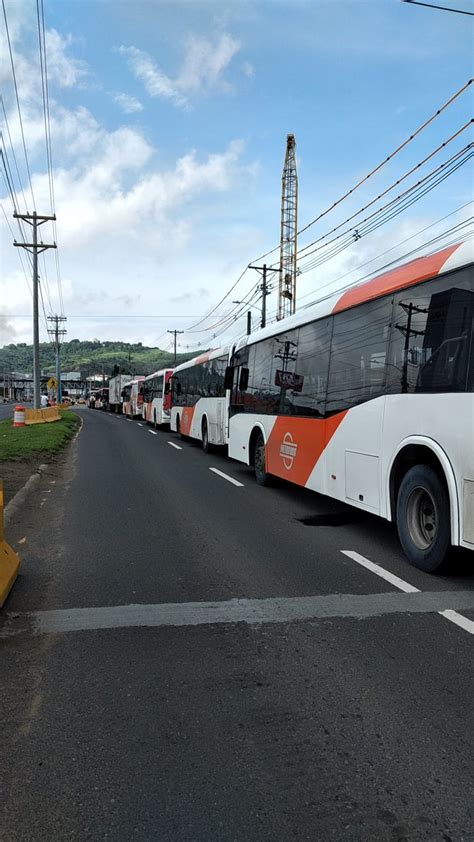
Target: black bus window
357, 368
432, 336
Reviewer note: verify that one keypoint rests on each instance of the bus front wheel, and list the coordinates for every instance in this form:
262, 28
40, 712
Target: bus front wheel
259, 462
178, 428
423, 518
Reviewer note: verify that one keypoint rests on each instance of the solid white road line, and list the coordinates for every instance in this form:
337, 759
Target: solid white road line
227, 477
177, 446
140, 425
379, 571
462, 622
453, 616
153, 432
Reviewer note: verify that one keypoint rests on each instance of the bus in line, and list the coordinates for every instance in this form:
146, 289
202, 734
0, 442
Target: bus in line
156, 407
199, 399
132, 395
367, 397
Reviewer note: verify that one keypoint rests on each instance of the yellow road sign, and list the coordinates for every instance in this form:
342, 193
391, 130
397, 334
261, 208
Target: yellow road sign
52, 383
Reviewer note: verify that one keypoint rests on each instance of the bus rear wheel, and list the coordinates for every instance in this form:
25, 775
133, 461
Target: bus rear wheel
423, 518
259, 462
205, 437
178, 428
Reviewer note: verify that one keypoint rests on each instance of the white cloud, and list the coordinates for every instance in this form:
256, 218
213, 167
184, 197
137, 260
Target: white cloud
248, 69
128, 104
126, 226
156, 83
63, 69
202, 70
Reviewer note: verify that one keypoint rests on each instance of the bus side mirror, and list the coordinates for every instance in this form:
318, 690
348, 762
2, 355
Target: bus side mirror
228, 377
244, 380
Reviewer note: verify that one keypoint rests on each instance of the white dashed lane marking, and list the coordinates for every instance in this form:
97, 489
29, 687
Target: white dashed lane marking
227, 477
453, 616
177, 446
140, 425
152, 432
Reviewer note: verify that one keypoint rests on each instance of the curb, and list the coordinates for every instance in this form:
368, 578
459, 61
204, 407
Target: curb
20, 497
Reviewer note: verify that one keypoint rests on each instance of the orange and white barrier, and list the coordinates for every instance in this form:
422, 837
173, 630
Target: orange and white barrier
19, 416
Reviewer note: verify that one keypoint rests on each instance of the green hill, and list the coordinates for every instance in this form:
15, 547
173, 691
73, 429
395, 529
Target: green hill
90, 357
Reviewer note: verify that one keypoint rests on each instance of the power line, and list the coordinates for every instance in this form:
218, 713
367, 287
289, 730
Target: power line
388, 189
369, 175
387, 251
13, 152
18, 103
47, 129
419, 190
442, 8
380, 165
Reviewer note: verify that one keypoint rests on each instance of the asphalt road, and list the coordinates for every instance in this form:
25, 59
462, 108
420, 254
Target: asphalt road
184, 658
7, 409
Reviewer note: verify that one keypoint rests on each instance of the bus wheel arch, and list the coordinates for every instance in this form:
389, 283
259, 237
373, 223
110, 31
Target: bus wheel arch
421, 486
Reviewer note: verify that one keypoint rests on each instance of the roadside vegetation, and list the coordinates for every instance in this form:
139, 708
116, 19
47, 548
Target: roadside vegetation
25, 442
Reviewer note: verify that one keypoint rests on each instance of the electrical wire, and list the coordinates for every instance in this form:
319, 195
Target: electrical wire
13, 153
378, 167
387, 251
419, 189
392, 186
47, 129
18, 104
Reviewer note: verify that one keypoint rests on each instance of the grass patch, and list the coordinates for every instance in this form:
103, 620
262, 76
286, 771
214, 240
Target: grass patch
24, 442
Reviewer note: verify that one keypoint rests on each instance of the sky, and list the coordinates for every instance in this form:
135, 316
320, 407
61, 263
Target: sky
168, 131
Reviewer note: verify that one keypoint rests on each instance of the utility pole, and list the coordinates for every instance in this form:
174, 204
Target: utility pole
35, 249
249, 322
175, 334
264, 289
56, 334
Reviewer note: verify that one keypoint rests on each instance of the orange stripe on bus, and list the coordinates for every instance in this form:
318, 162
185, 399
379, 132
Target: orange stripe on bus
186, 420
411, 273
295, 445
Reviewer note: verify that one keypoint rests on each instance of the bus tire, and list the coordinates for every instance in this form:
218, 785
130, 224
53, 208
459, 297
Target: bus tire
205, 437
178, 428
423, 518
154, 419
262, 477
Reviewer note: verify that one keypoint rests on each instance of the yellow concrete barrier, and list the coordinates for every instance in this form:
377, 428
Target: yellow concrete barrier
34, 416
40, 416
51, 413
9, 561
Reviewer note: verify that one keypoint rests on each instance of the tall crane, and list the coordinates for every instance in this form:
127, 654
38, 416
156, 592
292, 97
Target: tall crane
289, 232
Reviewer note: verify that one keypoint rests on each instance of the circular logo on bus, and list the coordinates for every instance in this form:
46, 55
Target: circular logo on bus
288, 450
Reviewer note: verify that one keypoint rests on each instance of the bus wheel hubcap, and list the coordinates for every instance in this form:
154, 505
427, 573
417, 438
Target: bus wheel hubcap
422, 518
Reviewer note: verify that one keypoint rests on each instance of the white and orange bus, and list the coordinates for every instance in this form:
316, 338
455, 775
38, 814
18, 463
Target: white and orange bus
132, 394
156, 408
368, 397
199, 399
